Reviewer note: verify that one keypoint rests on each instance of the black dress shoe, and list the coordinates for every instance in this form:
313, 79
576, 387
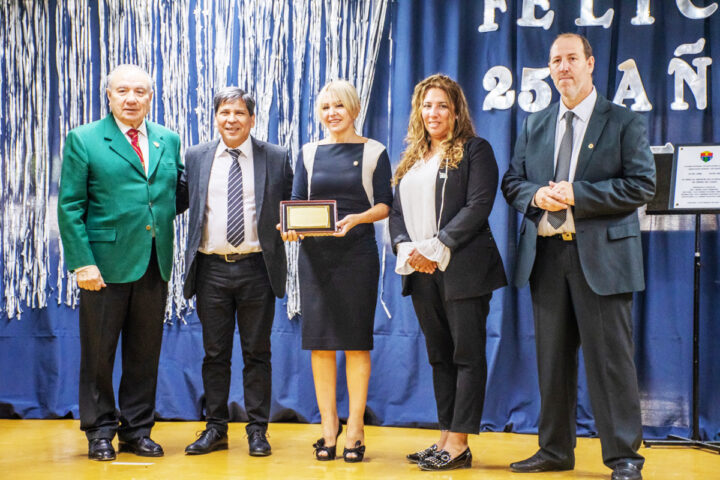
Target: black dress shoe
142, 446
442, 461
209, 440
258, 445
626, 471
537, 463
100, 449
422, 454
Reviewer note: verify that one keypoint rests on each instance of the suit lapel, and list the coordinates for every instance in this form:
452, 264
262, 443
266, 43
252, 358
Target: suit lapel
595, 127
206, 162
546, 149
120, 145
260, 168
155, 148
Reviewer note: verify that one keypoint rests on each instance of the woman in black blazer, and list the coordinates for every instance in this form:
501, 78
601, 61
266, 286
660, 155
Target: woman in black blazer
445, 188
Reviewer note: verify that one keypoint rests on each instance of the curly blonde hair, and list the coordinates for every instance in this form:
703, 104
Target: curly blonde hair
418, 139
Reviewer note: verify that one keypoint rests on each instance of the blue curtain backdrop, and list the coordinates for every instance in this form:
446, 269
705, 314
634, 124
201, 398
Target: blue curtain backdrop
39, 353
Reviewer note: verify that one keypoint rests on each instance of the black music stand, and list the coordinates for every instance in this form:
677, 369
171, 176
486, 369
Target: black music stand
660, 205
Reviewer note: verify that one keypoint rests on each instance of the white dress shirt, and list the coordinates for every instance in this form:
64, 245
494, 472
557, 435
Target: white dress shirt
417, 197
582, 112
214, 235
142, 140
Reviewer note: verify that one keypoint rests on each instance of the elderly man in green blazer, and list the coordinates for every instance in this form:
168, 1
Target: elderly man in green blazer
116, 208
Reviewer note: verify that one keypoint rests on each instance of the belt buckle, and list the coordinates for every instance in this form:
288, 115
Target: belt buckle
227, 259
567, 236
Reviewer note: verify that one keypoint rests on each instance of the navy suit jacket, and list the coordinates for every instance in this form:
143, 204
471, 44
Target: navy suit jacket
615, 175
273, 183
475, 266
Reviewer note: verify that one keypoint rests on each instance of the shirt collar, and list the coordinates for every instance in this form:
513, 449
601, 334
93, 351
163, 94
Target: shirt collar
245, 147
582, 110
124, 128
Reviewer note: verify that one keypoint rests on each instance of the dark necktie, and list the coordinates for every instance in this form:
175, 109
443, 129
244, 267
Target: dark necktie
235, 209
133, 134
562, 169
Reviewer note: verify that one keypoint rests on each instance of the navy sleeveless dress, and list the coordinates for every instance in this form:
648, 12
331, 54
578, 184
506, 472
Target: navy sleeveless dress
339, 275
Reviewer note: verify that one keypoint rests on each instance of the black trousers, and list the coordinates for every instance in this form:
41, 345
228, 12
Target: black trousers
455, 339
569, 314
135, 310
229, 293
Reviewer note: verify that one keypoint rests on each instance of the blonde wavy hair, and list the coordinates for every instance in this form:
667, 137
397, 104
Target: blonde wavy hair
418, 139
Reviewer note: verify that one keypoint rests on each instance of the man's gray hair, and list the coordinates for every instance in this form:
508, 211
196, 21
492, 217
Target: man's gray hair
125, 67
230, 94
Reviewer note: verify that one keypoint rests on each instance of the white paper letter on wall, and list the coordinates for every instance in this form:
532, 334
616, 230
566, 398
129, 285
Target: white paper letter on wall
528, 18
489, 24
588, 18
631, 87
684, 73
498, 81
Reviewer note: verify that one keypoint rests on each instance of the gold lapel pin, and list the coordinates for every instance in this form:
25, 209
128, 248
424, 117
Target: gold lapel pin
157, 145
591, 145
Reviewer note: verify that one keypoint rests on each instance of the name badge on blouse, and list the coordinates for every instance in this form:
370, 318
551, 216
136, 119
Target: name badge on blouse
443, 174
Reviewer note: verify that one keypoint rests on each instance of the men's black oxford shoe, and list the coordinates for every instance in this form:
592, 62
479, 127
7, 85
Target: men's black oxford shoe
626, 471
208, 441
142, 446
258, 445
537, 463
100, 449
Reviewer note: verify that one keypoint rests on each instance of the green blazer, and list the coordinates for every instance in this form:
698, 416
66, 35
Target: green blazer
108, 209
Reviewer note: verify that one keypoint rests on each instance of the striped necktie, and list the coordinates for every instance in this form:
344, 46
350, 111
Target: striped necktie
133, 134
235, 208
562, 169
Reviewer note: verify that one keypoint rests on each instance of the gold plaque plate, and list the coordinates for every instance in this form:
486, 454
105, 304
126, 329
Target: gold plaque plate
313, 217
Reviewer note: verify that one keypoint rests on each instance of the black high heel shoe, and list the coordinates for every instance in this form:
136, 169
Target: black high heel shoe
330, 452
358, 450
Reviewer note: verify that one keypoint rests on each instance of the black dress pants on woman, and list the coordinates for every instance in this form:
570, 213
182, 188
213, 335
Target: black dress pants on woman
455, 338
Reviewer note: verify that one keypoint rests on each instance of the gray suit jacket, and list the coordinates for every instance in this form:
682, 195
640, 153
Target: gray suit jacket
273, 183
615, 175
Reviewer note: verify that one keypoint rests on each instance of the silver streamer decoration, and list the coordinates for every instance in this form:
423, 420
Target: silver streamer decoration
277, 44
75, 92
24, 176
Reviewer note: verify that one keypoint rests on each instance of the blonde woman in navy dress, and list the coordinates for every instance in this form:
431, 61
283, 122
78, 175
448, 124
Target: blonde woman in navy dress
339, 274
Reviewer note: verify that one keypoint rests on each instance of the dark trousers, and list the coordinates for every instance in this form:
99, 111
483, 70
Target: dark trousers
569, 314
229, 293
136, 310
455, 339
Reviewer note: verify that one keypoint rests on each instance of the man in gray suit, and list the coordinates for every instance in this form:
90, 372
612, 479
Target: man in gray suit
235, 262
580, 170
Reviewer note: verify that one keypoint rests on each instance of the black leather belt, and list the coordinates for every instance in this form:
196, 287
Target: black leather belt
231, 257
565, 237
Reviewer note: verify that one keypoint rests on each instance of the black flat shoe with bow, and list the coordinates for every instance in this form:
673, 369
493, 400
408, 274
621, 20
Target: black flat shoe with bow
422, 454
442, 461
